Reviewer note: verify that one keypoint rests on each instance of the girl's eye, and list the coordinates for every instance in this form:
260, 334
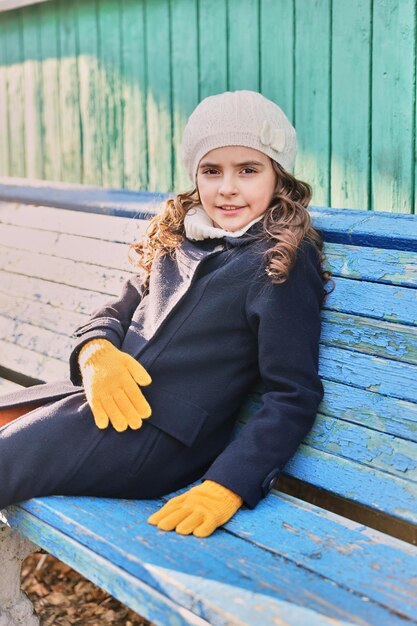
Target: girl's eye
249, 170
210, 171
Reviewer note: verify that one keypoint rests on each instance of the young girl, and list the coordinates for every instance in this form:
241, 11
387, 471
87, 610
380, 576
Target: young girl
230, 290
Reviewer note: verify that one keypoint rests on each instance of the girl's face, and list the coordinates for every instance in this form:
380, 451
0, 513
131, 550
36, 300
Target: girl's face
235, 185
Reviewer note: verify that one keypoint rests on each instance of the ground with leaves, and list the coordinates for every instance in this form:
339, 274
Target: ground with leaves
62, 597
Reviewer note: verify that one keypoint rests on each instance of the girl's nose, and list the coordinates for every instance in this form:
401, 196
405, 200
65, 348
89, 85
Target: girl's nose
227, 186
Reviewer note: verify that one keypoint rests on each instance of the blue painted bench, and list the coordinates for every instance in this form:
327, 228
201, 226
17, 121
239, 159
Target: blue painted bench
334, 542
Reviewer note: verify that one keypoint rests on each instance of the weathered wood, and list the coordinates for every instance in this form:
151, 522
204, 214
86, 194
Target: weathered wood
307, 558
350, 71
15, 607
6, 386
63, 297
366, 228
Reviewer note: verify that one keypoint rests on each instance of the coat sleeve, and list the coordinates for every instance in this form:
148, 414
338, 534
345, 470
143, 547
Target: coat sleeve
110, 321
286, 321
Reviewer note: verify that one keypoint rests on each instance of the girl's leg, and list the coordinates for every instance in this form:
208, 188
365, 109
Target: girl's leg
12, 413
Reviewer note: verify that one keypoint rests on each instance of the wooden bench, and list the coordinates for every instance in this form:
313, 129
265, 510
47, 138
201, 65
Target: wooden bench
334, 542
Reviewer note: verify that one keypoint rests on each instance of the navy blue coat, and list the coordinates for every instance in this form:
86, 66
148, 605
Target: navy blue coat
210, 326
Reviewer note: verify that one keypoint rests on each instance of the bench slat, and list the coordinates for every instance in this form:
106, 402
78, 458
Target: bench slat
63, 271
102, 227
64, 297
367, 228
368, 263
33, 364
212, 572
366, 335
360, 483
385, 302
368, 447
80, 249
374, 264
374, 410
365, 409
378, 301
22, 310
386, 376
35, 339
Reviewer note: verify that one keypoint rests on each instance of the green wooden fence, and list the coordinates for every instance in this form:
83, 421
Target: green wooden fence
98, 91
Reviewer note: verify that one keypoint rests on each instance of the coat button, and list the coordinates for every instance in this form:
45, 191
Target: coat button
272, 483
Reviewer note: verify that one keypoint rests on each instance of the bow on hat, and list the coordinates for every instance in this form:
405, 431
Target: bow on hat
273, 137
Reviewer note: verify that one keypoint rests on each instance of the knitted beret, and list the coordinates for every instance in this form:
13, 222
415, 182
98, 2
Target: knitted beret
238, 118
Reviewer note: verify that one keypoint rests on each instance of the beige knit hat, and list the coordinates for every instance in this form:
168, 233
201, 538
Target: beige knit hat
238, 118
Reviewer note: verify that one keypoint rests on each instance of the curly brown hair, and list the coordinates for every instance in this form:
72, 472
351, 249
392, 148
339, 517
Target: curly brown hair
286, 223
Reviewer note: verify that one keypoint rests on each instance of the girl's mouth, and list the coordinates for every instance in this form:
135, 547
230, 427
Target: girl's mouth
229, 208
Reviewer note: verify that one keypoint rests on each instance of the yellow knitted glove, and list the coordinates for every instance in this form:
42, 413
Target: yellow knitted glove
200, 510
111, 378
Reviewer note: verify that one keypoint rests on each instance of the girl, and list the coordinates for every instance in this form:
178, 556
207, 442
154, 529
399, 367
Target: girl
230, 289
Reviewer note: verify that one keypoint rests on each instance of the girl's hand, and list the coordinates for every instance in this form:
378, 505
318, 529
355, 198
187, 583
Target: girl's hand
111, 378
199, 511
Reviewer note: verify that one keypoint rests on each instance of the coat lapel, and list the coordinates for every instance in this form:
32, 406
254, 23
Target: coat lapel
170, 279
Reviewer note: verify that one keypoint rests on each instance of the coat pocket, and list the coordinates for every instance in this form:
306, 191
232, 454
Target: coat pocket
173, 415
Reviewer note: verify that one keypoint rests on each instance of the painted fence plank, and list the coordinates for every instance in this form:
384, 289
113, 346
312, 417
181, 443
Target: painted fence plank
50, 121
350, 100
4, 121
133, 94
71, 146
32, 92
184, 59
243, 45
393, 73
15, 93
89, 72
213, 70
210, 572
109, 62
277, 77
312, 110
158, 97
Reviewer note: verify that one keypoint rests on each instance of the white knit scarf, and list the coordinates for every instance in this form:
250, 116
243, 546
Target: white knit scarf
198, 226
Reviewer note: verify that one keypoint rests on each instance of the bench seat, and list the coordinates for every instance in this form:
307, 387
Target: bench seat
291, 561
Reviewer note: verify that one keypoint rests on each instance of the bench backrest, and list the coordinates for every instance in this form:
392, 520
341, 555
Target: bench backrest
59, 265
